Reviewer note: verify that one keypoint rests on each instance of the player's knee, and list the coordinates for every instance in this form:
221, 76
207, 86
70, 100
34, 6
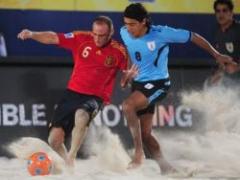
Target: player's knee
82, 118
56, 138
55, 143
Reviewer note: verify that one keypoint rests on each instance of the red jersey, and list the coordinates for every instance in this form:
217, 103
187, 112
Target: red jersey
95, 68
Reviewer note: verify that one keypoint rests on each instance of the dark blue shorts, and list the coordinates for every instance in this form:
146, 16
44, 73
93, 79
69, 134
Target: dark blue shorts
64, 115
154, 91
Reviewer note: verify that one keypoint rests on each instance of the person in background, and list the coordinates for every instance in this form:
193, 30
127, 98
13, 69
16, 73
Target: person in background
226, 39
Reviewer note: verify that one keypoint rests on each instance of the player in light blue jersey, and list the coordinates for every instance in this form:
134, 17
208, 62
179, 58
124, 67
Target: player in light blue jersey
148, 48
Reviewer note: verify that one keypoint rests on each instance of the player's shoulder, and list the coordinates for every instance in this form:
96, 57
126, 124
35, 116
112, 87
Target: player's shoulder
118, 46
123, 30
82, 33
160, 29
115, 44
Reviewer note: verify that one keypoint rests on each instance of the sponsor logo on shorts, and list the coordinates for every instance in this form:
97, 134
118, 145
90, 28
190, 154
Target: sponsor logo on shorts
49, 125
148, 86
167, 83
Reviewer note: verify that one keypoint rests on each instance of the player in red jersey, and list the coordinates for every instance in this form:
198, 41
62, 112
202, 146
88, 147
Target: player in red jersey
97, 58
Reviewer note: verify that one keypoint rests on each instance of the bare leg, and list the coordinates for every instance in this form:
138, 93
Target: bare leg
78, 134
152, 145
56, 141
130, 107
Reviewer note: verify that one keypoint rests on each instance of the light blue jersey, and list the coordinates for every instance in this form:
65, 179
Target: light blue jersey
150, 52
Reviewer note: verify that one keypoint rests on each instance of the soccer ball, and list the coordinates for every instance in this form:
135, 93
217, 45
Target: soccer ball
39, 164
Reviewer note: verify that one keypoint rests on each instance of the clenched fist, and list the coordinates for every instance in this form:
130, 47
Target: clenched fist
25, 34
224, 60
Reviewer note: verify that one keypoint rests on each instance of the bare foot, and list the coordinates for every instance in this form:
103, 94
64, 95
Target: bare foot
70, 162
166, 168
181, 174
136, 162
170, 171
134, 165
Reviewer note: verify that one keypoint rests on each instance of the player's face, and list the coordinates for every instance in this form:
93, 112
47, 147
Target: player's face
223, 14
134, 27
101, 34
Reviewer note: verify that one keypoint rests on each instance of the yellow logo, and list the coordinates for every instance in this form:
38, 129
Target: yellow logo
98, 52
109, 61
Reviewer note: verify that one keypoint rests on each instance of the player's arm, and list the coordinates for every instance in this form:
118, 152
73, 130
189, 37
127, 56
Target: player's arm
204, 44
45, 37
128, 75
128, 71
124, 79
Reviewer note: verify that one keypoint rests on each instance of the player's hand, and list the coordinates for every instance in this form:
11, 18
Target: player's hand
25, 34
223, 60
232, 68
132, 72
129, 75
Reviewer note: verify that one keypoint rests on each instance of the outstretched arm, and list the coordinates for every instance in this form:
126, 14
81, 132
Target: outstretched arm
45, 37
204, 44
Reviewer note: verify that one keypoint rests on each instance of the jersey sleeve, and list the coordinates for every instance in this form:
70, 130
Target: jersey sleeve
67, 40
172, 35
123, 58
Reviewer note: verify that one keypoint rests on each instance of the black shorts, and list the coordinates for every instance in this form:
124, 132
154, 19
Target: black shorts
64, 115
154, 91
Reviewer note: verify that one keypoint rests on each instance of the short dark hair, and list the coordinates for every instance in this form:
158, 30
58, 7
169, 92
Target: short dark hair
104, 20
138, 12
229, 3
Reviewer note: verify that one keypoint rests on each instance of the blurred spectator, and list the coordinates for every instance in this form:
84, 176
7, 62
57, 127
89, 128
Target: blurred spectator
227, 39
3, 49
